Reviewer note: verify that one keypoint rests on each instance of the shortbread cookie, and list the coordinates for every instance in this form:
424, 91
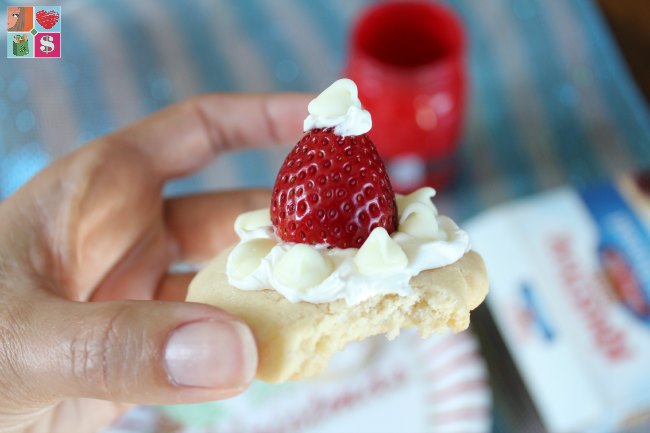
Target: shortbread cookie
295, 340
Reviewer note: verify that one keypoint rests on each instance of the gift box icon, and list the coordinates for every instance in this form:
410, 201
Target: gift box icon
20, 45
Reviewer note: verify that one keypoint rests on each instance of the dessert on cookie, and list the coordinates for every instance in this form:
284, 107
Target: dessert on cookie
339, 256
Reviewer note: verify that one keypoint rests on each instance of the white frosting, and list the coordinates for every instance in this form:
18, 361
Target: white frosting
383, 265
339, 107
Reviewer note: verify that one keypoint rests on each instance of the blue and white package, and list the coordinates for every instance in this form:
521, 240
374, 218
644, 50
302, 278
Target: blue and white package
570, 294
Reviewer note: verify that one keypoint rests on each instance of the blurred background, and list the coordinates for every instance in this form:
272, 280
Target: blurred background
555, 98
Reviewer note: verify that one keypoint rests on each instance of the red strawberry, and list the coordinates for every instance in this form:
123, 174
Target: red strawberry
332, 190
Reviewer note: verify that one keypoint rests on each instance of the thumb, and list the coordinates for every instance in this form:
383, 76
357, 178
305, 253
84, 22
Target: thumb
147, 352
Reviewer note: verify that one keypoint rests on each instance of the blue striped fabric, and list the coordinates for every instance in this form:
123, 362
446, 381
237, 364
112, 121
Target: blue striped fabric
551, 100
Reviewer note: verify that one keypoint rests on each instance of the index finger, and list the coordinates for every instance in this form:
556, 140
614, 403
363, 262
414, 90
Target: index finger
184, 137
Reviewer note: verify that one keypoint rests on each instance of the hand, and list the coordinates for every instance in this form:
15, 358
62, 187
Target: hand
94, 227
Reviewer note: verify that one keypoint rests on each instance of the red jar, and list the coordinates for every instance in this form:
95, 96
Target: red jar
407, 59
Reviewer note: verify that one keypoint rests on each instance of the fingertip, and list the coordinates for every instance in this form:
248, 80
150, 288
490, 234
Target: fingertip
287, 113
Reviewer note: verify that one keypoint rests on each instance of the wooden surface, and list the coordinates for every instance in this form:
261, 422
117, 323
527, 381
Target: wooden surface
630, 23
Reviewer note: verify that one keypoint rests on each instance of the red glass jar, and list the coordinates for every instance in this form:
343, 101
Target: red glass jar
407, 59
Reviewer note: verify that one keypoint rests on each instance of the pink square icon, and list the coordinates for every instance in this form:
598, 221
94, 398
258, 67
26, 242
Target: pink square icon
47, 45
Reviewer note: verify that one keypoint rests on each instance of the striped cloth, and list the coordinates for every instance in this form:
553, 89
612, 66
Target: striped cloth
551, 101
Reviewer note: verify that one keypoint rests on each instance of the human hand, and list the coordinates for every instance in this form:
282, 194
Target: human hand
93, 226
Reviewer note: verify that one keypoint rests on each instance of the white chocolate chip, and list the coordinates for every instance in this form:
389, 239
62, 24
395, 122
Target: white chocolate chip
252, 220
421, 195
380, 254
339, 107
247, 256
302, 267
336, 99
418, 220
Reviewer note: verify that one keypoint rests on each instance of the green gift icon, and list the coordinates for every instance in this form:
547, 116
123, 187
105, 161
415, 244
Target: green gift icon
20, 45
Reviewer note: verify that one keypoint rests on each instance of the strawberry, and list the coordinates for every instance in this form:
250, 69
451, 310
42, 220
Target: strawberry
332, 190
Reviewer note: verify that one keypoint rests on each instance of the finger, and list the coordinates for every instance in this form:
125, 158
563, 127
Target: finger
202, 225
137, 274
184, 137
145, 352
174, 287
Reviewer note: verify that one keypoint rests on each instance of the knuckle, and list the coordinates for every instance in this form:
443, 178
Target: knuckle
96, 353
215, 134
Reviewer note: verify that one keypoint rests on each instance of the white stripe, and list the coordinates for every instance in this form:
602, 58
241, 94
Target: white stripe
577, 65
51, 104
304, 41
490, 184
166, 38
478, 425
350, 9
527, 107
464, 398
115, 75
250, 73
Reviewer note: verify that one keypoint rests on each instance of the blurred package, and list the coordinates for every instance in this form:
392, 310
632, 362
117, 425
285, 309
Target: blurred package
570, 298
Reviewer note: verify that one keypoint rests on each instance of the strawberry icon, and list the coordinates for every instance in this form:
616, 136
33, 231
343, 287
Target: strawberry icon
47, 19
332, 190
